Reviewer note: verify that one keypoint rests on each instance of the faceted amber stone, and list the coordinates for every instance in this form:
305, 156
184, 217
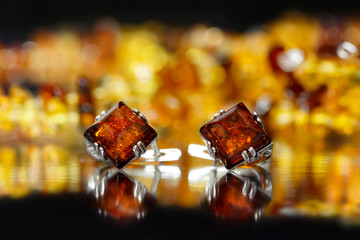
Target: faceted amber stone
118, 131
230, 200
233, 132
118, 199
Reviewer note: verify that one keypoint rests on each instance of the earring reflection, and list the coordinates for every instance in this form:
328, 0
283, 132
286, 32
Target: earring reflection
239, 194
119, 196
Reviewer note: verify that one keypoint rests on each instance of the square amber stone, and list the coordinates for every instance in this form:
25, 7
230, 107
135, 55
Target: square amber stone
233, 132
118, 131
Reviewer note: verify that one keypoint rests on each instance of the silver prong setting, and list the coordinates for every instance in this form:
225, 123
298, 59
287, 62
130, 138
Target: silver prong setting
141, 146
249, 155
252, 156
221, 112
98, 152
96, 147
139, 149
98, 117
258, 120
252, 152
267, 153
101, 150
135, 110
245, 156
136, 151
139, 114
211, 149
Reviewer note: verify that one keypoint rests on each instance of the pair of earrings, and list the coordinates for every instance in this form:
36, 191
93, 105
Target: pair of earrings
234, 137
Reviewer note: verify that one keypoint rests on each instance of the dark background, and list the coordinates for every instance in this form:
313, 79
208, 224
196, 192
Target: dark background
69, 216
19, 17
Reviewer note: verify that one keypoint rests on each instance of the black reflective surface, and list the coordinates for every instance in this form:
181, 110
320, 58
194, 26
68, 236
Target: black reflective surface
66, 216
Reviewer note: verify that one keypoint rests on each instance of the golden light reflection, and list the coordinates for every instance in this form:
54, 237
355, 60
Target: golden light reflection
315, 180
307, 180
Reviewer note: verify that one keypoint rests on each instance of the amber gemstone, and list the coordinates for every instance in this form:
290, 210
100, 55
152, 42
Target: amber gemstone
231, 202
233, 132
118, 131
118, 200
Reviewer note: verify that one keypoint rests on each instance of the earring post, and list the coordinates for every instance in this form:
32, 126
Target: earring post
156, 149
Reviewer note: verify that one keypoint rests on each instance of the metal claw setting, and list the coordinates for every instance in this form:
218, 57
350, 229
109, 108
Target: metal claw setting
211, 149
251, 155
265, 152
139, 149
97, 152
98, 117
221, 112
139, 114
258, 120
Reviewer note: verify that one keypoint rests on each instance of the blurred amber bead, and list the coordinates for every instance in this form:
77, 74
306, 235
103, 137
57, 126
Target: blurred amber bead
49, 91
55, 105
85, 102
6, 122
86, 119
311, 62
296, 29
19, 94
331, 35
273, 57
179, 75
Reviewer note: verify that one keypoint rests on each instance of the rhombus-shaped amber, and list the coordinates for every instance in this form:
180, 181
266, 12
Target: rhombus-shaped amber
118, 131
233, 132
